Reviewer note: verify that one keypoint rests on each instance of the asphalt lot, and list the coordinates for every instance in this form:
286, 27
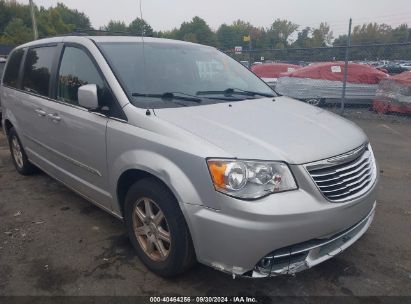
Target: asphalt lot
53, 242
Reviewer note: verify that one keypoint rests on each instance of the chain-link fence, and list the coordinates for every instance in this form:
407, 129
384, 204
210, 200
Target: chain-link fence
371, 52
378, 75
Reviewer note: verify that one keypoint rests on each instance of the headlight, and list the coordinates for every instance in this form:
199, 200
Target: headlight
250, 179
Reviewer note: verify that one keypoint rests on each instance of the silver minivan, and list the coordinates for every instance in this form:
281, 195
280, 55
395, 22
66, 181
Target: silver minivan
199, 157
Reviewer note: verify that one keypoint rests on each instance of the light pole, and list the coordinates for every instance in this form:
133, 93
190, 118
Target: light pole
33, 20
346, 66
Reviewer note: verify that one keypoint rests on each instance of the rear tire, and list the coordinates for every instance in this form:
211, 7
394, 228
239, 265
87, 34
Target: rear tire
18, 155
157, 228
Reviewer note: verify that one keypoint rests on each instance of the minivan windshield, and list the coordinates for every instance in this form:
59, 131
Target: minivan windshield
158, 74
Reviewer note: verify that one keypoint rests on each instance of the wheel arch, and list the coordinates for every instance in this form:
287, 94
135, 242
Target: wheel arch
7, 126
129, 166
129, 178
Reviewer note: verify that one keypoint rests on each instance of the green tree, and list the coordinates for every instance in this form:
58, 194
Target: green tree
190, 37
197, 30
371, 33
115, 26
16, 32
303, 38
227, 37
230, 36
50, 23
340, 40
279, 33
168, 34
72, 16
322, 36
139, 26
401, 34
12, 10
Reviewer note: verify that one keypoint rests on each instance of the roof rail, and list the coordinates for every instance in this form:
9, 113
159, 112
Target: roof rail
94, 32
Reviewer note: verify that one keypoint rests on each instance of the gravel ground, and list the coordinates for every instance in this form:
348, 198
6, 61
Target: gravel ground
52, 242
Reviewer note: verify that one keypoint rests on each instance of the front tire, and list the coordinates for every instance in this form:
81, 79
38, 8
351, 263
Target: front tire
18, 155
157, 228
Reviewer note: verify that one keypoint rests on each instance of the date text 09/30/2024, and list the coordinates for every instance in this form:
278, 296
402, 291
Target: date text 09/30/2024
203, 300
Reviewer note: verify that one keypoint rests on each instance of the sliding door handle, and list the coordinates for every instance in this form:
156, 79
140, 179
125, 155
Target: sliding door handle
54, 117
40, 112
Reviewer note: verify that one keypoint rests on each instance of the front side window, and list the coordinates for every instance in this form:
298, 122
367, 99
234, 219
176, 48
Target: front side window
37, 70
76, 70
11, 75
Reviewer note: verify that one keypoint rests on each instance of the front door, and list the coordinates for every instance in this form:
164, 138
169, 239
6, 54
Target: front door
76, 137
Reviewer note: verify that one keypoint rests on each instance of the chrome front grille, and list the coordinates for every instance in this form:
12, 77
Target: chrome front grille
352, 176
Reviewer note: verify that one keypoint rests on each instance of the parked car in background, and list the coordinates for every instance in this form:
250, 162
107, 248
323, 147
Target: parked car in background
2, 65
269, 72
394, 94
256, 63
322, 83
392, 68
201, 161
406, 65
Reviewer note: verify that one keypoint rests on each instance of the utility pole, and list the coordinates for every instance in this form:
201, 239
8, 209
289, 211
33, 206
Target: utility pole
33, 20
346, 66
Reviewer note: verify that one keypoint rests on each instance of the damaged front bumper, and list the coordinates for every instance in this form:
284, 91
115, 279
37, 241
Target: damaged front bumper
244, 237
296, 258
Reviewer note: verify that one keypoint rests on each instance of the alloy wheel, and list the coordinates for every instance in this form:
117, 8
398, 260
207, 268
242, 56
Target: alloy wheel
151, 229
17, 152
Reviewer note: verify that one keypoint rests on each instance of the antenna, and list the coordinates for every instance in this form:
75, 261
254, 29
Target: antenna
144, 54
142, 20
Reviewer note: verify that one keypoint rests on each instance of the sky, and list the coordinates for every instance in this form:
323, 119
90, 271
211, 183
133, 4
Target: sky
169, 14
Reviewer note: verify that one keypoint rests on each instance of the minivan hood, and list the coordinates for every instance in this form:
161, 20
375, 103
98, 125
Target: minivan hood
280, 129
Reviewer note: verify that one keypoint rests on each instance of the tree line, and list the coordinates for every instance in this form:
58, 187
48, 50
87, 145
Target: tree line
16, 28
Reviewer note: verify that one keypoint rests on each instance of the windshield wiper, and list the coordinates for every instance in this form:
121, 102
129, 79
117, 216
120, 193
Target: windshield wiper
231, 91
170, 96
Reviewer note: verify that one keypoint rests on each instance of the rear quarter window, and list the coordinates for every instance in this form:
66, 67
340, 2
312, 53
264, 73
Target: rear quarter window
11, 75
37, 70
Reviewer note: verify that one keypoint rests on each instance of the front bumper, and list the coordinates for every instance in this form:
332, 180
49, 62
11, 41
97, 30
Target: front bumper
238, 237
305, 255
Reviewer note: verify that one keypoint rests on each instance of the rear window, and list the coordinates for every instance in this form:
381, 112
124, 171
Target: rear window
37, 70
11, 75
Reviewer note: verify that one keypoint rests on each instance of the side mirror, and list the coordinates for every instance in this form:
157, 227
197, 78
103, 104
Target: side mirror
87, 96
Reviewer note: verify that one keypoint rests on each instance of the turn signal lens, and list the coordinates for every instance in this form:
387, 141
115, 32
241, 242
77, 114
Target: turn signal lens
217, 171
